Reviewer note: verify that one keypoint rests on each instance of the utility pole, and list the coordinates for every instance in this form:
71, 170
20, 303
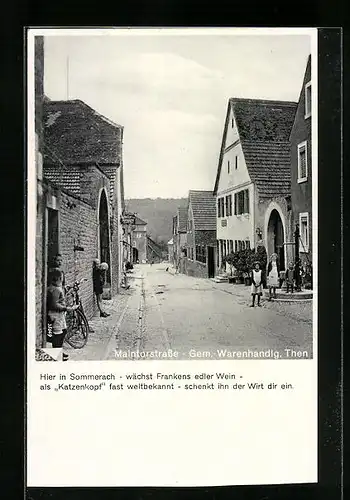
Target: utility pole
297, 259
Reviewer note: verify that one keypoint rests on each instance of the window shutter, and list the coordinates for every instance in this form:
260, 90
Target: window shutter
246, 199
235, 195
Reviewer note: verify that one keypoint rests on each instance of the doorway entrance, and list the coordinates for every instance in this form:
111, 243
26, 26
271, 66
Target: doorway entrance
104, 236
52, 235
135, 255
211, 262
275, 237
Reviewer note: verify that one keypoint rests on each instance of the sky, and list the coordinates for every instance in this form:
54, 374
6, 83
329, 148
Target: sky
170, 93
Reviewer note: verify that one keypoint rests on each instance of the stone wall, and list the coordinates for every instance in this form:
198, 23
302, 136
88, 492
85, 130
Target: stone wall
197, 269
78, 226
39, 94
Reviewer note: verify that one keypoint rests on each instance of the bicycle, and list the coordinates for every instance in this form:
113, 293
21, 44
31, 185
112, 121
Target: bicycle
77, 323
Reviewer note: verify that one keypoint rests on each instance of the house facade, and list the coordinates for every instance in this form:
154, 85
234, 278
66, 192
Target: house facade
180, 237
139, 240
82, 198
252, 187
301, 169
201, 235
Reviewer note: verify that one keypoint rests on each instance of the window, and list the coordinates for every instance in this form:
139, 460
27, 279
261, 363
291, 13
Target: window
308, 100
228, 166
236, 162
230, 248
221, 207
247, 244
302, 162
228, 204
242, 202
201, 253
236, 246
232, 123
304, 232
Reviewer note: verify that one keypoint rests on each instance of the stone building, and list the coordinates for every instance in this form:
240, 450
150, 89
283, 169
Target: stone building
82, 198
301, 169
39, 96
201, 234
253, 179
180, 237
139, 240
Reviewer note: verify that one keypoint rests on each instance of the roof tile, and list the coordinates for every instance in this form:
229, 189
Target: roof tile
203, 205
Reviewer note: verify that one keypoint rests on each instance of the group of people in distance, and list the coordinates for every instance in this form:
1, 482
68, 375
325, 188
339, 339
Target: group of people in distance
273, 277
57, 304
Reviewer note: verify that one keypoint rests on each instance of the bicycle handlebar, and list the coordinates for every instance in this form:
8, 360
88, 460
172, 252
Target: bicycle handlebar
76, 283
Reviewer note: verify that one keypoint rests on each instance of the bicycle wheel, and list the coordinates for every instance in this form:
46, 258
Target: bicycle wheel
77, 330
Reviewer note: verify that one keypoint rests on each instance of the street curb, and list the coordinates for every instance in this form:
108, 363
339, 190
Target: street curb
115, 329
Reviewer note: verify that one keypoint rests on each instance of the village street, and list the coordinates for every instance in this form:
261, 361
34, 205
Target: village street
192, 316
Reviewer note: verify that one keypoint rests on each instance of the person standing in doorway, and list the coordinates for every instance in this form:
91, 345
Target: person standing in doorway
99, 271
256, 289
273, 272
57, 264
56, 310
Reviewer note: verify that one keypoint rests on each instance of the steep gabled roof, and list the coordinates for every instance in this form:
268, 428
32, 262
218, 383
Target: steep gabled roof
264, 127
77, 134
139, 221
182, 219
203, 205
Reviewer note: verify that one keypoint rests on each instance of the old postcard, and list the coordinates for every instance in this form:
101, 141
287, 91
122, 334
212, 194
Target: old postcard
172, 256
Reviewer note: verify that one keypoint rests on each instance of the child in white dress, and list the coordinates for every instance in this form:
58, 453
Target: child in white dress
256, 289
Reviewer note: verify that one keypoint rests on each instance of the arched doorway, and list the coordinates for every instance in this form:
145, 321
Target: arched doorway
135, 254
275, 237
104, 235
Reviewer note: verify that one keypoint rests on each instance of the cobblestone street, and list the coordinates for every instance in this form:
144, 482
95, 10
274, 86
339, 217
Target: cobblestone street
162, 310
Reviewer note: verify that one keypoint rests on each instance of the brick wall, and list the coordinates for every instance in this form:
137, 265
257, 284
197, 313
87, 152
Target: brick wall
38, 270
39, 92
205, 238
78, 226
194, 268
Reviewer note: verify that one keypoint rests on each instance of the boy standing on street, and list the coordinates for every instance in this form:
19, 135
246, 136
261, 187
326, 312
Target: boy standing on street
290, 277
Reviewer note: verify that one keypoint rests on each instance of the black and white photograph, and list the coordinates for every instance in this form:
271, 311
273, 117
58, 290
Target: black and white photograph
172, 285
174, 196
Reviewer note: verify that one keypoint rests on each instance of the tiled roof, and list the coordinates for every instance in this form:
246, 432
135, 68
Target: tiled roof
269, 166
139, 221
77, 134
65, 178
203, 205
182, 219
259, 119
111, 174
264, 128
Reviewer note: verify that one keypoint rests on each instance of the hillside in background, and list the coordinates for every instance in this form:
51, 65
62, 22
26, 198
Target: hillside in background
158, 213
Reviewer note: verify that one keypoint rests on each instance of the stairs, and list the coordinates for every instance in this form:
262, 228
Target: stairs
221, 278
282, 295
